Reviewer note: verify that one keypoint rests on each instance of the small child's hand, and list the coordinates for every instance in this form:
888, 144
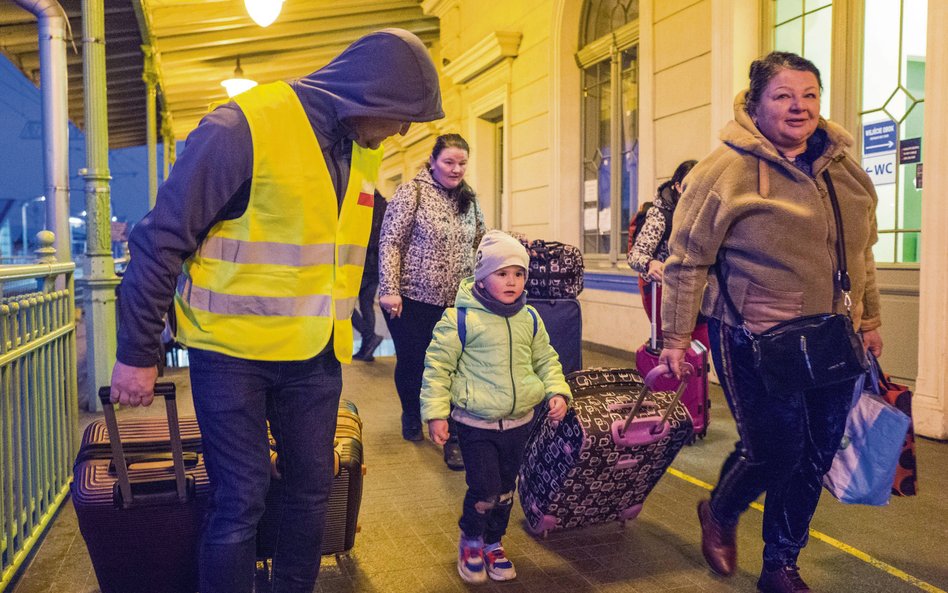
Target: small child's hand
558, 407
438, 431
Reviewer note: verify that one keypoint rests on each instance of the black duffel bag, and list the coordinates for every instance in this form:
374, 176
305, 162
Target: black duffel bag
556, 270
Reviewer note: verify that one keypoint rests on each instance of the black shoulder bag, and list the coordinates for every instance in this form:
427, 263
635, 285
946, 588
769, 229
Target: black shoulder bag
812, 350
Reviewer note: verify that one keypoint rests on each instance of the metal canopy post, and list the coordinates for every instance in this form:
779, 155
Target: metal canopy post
150, 77
100, 281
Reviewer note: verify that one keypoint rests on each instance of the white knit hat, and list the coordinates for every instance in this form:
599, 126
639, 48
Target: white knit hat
499, 250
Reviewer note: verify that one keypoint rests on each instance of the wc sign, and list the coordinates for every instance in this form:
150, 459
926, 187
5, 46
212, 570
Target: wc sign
879, 144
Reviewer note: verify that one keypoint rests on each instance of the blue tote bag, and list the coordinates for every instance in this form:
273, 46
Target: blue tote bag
864, 465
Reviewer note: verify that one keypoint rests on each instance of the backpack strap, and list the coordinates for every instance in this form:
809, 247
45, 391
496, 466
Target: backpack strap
533, 314
462, 326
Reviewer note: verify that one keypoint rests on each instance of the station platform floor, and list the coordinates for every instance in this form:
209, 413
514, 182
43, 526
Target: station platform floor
411, 503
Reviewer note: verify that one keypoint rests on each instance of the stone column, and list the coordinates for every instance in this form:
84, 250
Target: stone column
930, 406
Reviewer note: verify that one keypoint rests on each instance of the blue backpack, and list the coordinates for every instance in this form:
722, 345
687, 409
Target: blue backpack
462, 324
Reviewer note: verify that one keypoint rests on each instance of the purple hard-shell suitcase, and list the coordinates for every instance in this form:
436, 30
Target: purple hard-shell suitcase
141, 521
563, 319
696, 397
601, 461
139, 435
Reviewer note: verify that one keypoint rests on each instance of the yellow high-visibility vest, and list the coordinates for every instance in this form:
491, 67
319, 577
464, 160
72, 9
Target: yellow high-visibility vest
277, 282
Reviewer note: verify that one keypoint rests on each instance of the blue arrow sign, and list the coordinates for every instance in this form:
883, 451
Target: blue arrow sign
879, 137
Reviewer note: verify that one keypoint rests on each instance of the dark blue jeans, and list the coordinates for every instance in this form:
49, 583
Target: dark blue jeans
233, 399
786, 444
491, 462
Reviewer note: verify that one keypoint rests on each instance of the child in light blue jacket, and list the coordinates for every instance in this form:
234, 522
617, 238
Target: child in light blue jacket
489, 364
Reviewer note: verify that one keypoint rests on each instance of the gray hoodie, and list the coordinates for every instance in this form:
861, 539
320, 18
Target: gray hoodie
386, 74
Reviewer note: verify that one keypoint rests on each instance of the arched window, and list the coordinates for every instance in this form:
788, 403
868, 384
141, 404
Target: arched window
609, 34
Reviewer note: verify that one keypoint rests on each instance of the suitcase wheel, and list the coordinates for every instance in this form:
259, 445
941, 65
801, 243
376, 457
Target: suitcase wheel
629, 514
543, 527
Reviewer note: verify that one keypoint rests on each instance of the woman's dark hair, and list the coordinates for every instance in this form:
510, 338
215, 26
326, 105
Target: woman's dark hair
449, 141
764, 69
668, 190
682, 171
463, 193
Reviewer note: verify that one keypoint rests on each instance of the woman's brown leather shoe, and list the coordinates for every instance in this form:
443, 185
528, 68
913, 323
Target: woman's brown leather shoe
785, 579
718, 542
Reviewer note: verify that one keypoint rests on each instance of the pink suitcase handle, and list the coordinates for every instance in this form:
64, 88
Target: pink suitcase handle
634, 431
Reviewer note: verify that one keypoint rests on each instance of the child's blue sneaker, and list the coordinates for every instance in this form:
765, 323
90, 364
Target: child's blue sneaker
499, 567
471, 560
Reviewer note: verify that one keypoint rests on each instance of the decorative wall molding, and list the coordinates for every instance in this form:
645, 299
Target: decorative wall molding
416, 133
437, 8
490, 50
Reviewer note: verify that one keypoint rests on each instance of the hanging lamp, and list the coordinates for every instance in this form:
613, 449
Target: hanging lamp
238, 83
264, 12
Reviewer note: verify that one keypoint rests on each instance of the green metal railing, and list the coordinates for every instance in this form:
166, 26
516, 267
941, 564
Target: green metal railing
38, 401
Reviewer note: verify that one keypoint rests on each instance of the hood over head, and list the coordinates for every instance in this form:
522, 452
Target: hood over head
387, 74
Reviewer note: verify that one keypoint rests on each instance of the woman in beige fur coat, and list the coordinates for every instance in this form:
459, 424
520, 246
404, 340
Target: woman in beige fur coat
758, 209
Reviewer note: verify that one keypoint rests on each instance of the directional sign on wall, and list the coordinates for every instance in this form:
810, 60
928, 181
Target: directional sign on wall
879, 143
879, 137
880, 168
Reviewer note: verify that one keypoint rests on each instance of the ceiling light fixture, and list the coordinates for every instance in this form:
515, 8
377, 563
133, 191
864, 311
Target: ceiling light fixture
238, 83
264, 12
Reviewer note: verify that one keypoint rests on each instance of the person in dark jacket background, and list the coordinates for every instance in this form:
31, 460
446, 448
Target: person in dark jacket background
363, 319
262, 225
650, 249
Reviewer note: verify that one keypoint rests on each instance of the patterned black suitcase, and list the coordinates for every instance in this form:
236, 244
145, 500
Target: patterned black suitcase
556, 269
141, 520
600, 463
345, 498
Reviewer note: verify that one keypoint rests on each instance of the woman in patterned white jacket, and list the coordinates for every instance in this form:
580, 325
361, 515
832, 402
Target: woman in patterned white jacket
648, 253
431, 230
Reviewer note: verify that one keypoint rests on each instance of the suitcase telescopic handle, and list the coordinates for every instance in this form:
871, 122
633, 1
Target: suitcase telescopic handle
654, 321
686, 371
166, 390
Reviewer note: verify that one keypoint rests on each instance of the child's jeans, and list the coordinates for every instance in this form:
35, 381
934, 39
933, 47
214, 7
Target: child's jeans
492, 461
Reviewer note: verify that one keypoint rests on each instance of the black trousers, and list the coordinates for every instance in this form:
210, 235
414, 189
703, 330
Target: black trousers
491, 462
787, 443
363, 318
411, 334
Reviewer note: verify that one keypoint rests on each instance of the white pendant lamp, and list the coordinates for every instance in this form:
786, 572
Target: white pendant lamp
264, 12
238, 84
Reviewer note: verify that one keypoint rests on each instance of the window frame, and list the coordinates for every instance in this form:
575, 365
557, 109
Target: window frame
845, 81
610, 47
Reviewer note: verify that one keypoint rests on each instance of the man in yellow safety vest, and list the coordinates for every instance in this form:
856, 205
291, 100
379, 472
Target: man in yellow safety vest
259, 236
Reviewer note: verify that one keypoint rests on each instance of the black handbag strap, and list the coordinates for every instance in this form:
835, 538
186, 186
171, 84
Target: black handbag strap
842, 275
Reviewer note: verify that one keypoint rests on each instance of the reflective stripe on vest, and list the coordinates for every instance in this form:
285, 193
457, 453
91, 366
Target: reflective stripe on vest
282, 279
249, 252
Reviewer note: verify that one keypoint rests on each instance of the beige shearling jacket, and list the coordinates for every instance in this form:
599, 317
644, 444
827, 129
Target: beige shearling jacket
774, 226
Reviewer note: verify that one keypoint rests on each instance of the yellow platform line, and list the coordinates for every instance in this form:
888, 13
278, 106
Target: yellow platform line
883, 566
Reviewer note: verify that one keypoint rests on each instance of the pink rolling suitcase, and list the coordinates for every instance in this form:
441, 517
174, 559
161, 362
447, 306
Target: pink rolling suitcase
696, 395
